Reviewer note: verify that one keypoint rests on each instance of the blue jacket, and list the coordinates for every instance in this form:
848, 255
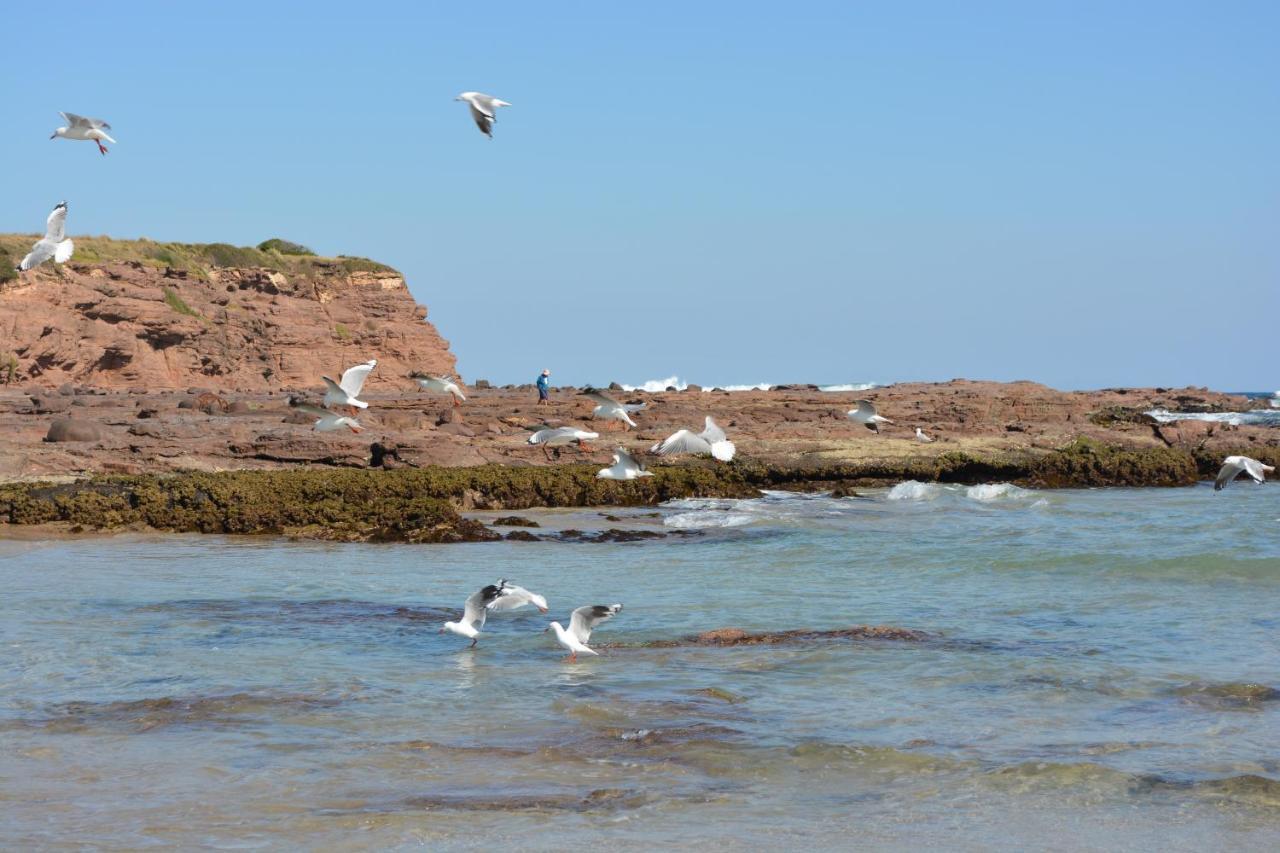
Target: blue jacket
544, 382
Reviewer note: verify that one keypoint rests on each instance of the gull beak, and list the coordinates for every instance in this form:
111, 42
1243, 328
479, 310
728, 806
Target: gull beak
546, 630
53, 136
542, 610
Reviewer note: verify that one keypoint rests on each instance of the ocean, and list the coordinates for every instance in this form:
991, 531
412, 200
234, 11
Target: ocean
1100, 669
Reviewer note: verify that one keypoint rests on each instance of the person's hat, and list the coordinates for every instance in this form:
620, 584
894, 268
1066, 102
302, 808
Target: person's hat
546, 372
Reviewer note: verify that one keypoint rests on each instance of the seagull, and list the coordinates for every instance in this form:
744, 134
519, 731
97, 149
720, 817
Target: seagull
344, 393
865, 414
328, 421
610, 409
440, 385
711, 440
1233, 465
561, 436
625, 467
581, 623
920, 436
482, 109
512, 597
55, 244
473, 613
79, 127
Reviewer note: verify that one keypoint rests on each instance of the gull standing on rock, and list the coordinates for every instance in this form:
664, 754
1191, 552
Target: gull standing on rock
483, 108
514, 597
711, 441
562, 436
1232, 466
79, 127
344, 393
581, 623
327, 421
440, 385
473, 613
625, 467
609, 409
920, 436
55, 244
864, 412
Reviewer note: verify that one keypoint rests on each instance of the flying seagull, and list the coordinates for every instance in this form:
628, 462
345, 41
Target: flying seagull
581, 623
473, 613
920, 436
864, 412
1232, 466
562, 436
79, 127
344, 393
609, 409
483, 108
327, 421
55, 244
514, 597
625, 467
440, 385
711, 440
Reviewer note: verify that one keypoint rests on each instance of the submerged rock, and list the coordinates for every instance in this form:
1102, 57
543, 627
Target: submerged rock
739, 637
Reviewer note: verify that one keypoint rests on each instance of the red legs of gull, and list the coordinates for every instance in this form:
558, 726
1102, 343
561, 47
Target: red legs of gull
100, 148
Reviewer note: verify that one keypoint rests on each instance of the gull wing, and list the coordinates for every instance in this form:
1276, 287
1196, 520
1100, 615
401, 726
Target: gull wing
74, 120
601, 397
55, 227
40, 252
713, 433
863, 409
544, 435
513, 597
354, 377
682, 441
584, 620
63, 251
1231, 468
621, 456
473, 612
308, 409
1256, 469
334, 387
483, 120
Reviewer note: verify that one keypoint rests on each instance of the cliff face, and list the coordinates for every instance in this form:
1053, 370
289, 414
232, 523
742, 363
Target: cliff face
120, 322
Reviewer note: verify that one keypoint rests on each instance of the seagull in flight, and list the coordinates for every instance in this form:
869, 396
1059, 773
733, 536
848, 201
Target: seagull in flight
609, 409
711, 441
473, 613
483, 108
562, 436
328, 421
55, 243
581, 623
440, 385
344, 393
864, 412
1232, 467
625, 467
79, 127
512, 597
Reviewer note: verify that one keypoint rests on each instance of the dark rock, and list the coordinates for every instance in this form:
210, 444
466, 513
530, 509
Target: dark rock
693, 388
521, 536
672, 388
239, 407
514, 521
481, 383
44, 404
614, 386
187, 404
66, 429
148, 413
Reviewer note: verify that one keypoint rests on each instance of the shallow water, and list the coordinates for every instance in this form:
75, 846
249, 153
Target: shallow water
1101, 671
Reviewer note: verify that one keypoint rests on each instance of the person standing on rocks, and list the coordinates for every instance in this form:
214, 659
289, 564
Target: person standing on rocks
544, 388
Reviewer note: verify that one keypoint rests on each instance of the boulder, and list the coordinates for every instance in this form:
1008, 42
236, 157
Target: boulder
66, 429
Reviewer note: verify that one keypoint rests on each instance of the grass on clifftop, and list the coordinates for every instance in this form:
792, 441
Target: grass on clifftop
197, 259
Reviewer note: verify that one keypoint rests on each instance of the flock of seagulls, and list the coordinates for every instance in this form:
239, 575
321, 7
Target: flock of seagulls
507, 596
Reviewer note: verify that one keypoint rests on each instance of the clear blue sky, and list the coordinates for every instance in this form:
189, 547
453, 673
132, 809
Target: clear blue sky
1080, 193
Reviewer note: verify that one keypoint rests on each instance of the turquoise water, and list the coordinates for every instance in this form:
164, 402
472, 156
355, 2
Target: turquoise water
1096, 677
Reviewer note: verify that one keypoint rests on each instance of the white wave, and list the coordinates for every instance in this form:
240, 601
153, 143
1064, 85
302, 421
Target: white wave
1275, 401
1259, 417
707, 518
913, 490
988, 492
855, 386
654, 386
763, 386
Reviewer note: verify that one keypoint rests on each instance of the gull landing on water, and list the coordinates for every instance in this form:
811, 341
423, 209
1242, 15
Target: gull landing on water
79, 127
711, 441
609, 409
581, 623
625, 467
483, 109
440, 385
1232, 467
328, 421
344, 393
864, 412
473, 613
55, 244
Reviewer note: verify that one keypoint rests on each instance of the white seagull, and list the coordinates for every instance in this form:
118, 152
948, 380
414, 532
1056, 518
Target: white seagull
512, 597
483, 108
473, 613
1232, 466
562, 436
344, 393
711, 440
581, 623
625, 467
440, 385
609, 409
55, 244
79, 127
920, 436
328, 421
864, 412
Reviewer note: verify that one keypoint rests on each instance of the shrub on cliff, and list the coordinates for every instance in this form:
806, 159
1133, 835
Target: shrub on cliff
284, 247
7, 267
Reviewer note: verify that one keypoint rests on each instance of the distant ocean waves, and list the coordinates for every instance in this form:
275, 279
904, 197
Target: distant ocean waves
1256, 417
654, 386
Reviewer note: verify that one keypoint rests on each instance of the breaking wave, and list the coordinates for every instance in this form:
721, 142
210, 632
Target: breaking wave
990, 492
854, 386
657, 386
1256, 417
913, 490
